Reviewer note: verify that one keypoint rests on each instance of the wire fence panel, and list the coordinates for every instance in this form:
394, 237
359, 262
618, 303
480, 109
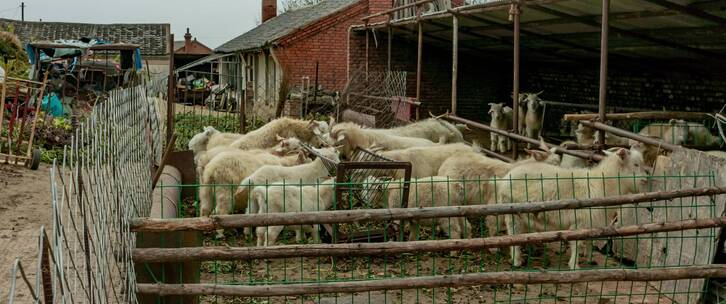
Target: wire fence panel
103, 180
402, 264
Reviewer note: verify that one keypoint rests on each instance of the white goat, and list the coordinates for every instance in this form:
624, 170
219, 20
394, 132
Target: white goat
433, 191
230, 168
267, 135
576, 183
290, 198
475, 172
350, 136
426, 161
434, 129
533, 118
674, 132
305, 173
502, 120
210, 138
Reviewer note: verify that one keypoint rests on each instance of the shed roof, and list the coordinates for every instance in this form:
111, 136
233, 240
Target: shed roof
282, 25
570, 29
151, 37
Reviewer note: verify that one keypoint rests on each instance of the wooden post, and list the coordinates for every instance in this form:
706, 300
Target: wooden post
441, 281
620, 132
367, 46
514, 13
171, 93
603, 65
454, 61
390, 42
641, 115
419, 59
351, 216
227, 253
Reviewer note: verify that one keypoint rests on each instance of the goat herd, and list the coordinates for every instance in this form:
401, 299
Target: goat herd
248, 172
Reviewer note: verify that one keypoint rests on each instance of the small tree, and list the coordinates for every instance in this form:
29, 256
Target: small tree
291, 5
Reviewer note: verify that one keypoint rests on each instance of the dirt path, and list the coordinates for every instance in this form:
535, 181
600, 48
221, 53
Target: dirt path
24, 207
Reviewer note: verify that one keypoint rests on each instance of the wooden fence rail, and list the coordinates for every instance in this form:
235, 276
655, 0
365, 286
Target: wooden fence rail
457, 280
352, 216
163, 255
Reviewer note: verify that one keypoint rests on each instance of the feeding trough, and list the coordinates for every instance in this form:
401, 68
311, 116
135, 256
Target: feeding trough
349, 192
20, 103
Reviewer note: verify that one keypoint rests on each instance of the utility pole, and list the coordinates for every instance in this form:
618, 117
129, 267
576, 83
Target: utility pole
22, 11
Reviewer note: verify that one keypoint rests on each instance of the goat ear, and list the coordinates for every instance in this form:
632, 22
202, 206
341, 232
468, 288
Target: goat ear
537, 155
622, 153
542, 144
491, 104
301, 157
331, 123
317, 131
340, 137
279, 138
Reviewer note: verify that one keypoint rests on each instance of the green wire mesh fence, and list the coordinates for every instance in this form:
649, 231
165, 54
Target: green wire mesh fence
297, 270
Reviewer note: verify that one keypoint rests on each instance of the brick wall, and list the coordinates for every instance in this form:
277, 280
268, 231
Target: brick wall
484, 79
324, 42
650, 89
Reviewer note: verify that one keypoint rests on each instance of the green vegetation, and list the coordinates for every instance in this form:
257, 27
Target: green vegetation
187, 125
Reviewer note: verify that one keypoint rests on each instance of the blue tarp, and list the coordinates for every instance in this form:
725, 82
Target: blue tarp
56, 108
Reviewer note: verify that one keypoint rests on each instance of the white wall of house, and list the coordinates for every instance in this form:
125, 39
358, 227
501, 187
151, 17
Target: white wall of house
265, 73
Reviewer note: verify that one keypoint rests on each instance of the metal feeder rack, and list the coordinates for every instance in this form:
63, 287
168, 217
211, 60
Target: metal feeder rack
349, 183
16, 116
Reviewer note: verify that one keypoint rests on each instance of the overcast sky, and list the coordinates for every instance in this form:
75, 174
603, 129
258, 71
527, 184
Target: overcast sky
213, 22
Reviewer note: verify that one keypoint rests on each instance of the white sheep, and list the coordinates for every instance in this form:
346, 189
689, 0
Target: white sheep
433, 191
700, 135
434, 129
720, 154
541, 182
304, 173
569, 161
350, 136
291, 198
426, 161
267, 135
502, 120
210, 138
533, 118
223, 173
476, 172
674, 132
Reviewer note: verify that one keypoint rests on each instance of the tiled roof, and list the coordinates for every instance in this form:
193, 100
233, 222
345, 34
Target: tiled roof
282, 25
152, 37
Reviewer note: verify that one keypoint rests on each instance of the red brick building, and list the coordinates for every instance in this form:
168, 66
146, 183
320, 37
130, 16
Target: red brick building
286, 48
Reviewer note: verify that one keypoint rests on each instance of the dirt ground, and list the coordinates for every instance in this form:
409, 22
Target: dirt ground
24, 207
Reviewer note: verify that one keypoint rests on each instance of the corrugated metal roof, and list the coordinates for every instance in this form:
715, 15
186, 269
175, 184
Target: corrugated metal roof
571, 28
283, 25
151, 37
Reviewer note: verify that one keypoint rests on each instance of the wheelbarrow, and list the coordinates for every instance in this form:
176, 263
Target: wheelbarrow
20, 103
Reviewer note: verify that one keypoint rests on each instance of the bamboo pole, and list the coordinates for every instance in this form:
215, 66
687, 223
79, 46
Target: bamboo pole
640, 115
441, 281
514, 13
352, 216
188, 254
602, 97
419, 63
620, 132
454, 62
585, 155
